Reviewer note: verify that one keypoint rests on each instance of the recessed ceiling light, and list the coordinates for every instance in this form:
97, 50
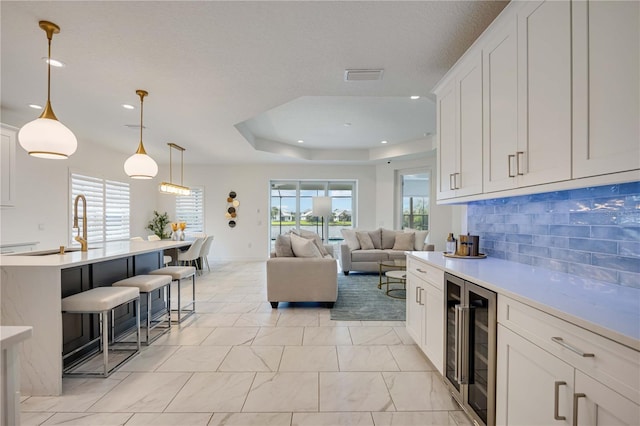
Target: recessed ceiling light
127, 106
54, 62
383, 141
414, 97
35, 106
300, 141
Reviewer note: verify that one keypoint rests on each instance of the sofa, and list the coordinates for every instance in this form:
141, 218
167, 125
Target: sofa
302, 271
364, 250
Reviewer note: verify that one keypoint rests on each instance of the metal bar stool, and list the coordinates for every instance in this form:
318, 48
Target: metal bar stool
179, 273
147, 284
101, 301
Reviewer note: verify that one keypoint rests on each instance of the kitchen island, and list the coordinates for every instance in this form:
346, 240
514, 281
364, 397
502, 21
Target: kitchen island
33, 285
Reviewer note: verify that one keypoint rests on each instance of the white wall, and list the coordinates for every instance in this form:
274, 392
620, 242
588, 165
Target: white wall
42, 209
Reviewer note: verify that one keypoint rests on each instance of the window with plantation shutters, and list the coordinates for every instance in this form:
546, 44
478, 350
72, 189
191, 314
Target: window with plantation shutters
190, 209
108, 208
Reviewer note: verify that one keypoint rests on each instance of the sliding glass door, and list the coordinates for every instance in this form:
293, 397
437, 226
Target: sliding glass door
292, 203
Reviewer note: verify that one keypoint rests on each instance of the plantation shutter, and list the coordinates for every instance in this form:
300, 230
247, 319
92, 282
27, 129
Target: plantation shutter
190, 209
117, 211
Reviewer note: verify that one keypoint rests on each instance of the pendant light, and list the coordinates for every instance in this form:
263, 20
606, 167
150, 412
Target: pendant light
46, 137
170, 187
140, 165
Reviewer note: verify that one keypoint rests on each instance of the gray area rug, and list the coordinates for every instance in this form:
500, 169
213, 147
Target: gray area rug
359, 299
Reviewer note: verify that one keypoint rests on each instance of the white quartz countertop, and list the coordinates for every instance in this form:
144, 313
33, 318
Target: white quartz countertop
610, 310
112, 250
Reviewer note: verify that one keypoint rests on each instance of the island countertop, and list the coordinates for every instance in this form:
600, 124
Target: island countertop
610, 310
107, 251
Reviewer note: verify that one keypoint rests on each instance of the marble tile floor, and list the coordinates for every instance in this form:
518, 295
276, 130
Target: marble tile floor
239, 362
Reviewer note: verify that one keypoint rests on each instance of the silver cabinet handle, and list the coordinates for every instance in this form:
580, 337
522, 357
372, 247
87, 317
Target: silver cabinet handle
518, 154
421, 290
509, 157
576, 397
556, 402
420, 270
464, 337
452, 184
456, 343
561, 342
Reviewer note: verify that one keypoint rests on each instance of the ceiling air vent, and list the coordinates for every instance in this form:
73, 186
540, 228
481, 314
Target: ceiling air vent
362, 75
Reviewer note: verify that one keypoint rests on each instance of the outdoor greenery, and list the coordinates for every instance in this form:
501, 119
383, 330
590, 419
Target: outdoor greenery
158, 224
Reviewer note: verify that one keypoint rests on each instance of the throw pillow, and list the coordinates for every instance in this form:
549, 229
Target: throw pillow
421, 238
350, 238
388, 238
376, 238
283, 246
404, 241
303, 247
311, 236
365, 240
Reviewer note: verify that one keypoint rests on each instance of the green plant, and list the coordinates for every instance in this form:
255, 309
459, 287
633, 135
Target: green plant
158, 224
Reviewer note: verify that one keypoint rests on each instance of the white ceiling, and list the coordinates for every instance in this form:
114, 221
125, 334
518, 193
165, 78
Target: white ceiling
239, 82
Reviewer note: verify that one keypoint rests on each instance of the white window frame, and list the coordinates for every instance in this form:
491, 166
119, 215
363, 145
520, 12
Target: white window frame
183, 214
106, 199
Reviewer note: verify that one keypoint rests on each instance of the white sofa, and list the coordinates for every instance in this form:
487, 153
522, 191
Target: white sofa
302, 279
356, 257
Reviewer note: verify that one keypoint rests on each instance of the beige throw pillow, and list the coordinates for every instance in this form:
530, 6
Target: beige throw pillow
303, 247
421, 238
283, 246
388, 238
350, 238
311, 236
365, 240
405, 241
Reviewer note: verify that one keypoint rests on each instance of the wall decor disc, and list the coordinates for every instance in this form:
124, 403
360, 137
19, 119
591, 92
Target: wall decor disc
229, 199
231, 209
236, 203
232, 194
233, 215
232, 224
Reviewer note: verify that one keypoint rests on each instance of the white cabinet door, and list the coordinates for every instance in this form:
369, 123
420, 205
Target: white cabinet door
500, 62
468, 180
7, 166
447, 142
596, 404
415, 309
529, 383
606, 87
434, 326
544, 93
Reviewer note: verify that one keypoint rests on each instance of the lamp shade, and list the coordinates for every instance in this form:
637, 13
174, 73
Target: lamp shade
140, 166
47, 138
321, 206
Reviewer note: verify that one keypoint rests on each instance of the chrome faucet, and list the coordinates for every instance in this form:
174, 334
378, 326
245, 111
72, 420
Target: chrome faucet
82, 240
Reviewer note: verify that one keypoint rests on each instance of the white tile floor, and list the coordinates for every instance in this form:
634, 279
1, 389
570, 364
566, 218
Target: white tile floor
239, 362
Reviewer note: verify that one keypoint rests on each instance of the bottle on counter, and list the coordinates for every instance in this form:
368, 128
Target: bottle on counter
451, 244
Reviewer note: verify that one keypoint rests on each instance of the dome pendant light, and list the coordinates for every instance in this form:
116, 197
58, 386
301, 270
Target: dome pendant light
140, 165
46, 137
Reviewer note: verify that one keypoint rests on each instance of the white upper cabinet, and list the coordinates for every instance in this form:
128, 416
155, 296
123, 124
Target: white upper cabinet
460, 132
606, 86
544, 93
500, 57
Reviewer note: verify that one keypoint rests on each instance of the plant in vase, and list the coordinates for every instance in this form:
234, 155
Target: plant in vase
158, 224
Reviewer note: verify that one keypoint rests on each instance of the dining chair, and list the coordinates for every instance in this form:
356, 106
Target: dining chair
191, 256
204, 252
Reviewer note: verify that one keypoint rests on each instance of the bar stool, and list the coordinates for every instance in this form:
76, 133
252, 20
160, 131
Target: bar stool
179, 273
147, 284
101, 301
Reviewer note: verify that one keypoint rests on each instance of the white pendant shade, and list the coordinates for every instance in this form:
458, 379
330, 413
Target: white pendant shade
47, 138
140, 166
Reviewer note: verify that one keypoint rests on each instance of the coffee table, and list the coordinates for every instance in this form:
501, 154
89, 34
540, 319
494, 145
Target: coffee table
394, 272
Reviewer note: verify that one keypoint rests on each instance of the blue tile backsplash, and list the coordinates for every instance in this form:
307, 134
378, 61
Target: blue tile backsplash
592, 232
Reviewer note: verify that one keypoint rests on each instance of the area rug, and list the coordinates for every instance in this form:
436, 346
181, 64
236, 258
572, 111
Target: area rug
359, 299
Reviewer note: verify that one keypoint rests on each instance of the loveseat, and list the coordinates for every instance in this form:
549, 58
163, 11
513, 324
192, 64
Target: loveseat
364, 250
301, 269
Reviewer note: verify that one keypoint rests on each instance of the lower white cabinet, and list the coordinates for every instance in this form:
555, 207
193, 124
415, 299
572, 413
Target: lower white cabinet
546, 368
425, 310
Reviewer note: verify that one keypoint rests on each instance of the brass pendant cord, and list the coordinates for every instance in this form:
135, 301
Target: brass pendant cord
142, 94
50, 29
